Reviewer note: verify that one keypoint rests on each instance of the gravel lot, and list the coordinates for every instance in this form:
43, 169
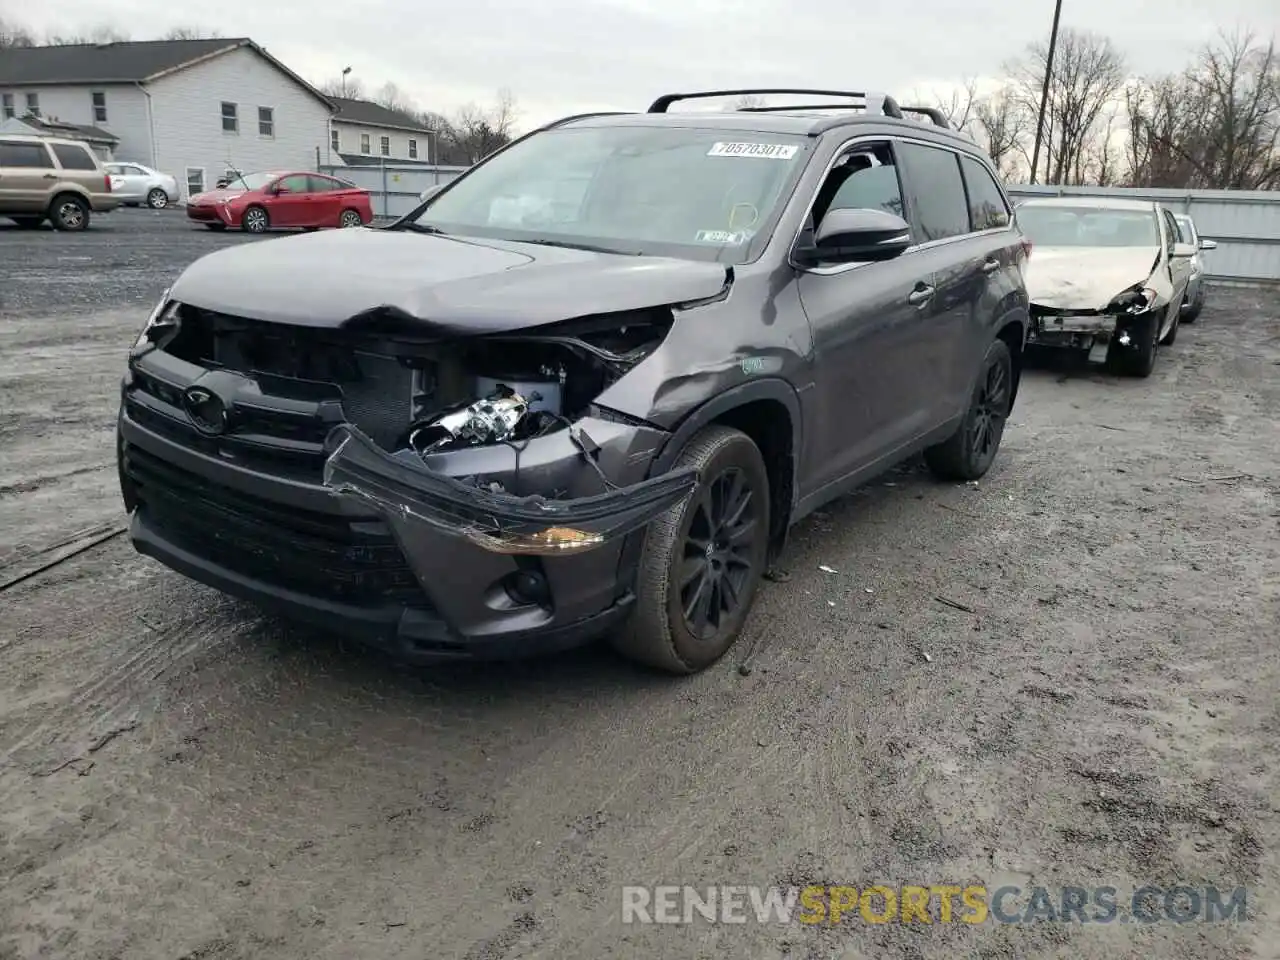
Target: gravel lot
183, 777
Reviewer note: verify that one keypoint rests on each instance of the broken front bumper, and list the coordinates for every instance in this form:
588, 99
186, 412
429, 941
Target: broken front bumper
419, 561
1070, 330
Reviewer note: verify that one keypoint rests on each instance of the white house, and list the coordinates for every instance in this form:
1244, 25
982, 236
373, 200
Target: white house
368, 133
192, 108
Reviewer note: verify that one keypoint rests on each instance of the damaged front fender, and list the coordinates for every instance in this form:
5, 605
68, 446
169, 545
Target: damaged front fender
403, 489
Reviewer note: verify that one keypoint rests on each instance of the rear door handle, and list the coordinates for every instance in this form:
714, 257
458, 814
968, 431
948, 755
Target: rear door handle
50, 176
991, 266
920, 295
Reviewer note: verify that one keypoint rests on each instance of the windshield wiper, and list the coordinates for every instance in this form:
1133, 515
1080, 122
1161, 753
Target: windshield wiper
419, 228
579, 246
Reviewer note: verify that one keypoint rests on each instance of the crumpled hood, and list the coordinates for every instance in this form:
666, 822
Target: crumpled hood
1085, 278
440, 285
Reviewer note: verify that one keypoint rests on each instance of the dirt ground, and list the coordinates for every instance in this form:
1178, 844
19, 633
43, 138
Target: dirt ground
183, 777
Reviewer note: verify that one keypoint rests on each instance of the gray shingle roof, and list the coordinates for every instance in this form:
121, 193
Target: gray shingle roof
124, 62
59, 128
375, 115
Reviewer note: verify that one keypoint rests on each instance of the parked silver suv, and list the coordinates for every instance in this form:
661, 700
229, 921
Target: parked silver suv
43, 178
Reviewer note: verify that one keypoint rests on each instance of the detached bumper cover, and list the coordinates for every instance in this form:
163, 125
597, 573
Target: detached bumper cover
407, 492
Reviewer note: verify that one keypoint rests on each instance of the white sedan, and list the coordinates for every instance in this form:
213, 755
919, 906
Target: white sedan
136, 184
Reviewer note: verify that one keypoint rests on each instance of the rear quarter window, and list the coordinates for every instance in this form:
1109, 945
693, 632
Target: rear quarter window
936, 203
987, 207
29, 155
72, 157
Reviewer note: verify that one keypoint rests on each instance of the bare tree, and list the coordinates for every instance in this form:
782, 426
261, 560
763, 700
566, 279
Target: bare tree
352, 88
1215, 125
191, 33
103, 33
1088, 77
748, 101
1002, 125
393, 98
15, 35
961, 107
477, 132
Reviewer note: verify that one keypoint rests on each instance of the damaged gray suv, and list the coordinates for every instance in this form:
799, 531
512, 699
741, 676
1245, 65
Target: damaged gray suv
585, 389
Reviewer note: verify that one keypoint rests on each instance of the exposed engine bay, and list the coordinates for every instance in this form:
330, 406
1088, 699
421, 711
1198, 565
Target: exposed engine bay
411, 393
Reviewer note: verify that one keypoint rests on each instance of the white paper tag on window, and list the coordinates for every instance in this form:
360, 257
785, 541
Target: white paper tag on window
765, 151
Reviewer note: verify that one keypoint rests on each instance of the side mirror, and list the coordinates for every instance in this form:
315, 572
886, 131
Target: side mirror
1208, 244
856, 236
1183, 250
430, 192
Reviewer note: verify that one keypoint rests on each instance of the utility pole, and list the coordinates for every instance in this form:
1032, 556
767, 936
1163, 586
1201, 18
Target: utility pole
1044, 93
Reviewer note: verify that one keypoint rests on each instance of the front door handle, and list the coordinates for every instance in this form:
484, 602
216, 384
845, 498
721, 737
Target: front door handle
920, 295
50, 176
991, 266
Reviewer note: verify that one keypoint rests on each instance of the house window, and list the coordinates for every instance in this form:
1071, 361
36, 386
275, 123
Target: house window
195, 181
335, 141
384, 146
99, 107
364, 143
266, 122
230, 118
33, 104
6, 106
413, 149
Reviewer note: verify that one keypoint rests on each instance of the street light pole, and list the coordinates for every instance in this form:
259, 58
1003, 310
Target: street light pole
345, 71
1044, 92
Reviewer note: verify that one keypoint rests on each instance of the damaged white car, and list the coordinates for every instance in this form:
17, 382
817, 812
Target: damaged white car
1108, 276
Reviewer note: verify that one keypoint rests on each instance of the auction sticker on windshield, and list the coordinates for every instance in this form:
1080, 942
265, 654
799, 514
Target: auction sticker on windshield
766, 151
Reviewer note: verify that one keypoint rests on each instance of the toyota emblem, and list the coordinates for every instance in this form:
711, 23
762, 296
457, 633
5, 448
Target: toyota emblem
206, 410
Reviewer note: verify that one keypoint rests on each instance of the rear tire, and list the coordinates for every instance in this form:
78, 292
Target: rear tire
1193, 312
68, 212
702, 561
157, 199
969, 452
351, 218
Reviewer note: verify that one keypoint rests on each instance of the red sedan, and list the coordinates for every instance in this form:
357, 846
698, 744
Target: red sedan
258, 202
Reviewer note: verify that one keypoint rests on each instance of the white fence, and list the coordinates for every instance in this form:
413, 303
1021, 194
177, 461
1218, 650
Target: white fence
395, 187
1245, 223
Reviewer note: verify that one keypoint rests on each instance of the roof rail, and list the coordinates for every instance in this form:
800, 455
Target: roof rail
933, 113
887, 104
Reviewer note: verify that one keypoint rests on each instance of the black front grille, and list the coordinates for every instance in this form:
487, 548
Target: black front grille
317, 554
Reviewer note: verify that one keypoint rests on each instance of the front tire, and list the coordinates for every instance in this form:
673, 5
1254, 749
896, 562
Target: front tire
969, 452
157, 199
1138, 359
350, 218
255, 220
1193, 312
702, 562
69, 213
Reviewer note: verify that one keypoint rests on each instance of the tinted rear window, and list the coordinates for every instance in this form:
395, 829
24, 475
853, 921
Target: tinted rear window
987, 208
15, 154
74, 158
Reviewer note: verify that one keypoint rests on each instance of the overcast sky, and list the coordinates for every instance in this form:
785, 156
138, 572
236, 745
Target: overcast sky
562, 56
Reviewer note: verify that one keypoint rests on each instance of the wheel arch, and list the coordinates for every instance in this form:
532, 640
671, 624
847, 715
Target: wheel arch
1011, 327
768, 411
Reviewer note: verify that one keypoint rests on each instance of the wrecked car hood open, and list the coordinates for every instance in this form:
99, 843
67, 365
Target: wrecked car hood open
403, 489
434, 285
1086, 278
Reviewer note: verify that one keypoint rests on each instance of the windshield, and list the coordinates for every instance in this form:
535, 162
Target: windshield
250, 181
1089, 227
699, 194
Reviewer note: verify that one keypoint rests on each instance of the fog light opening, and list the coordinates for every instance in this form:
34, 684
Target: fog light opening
528, 586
